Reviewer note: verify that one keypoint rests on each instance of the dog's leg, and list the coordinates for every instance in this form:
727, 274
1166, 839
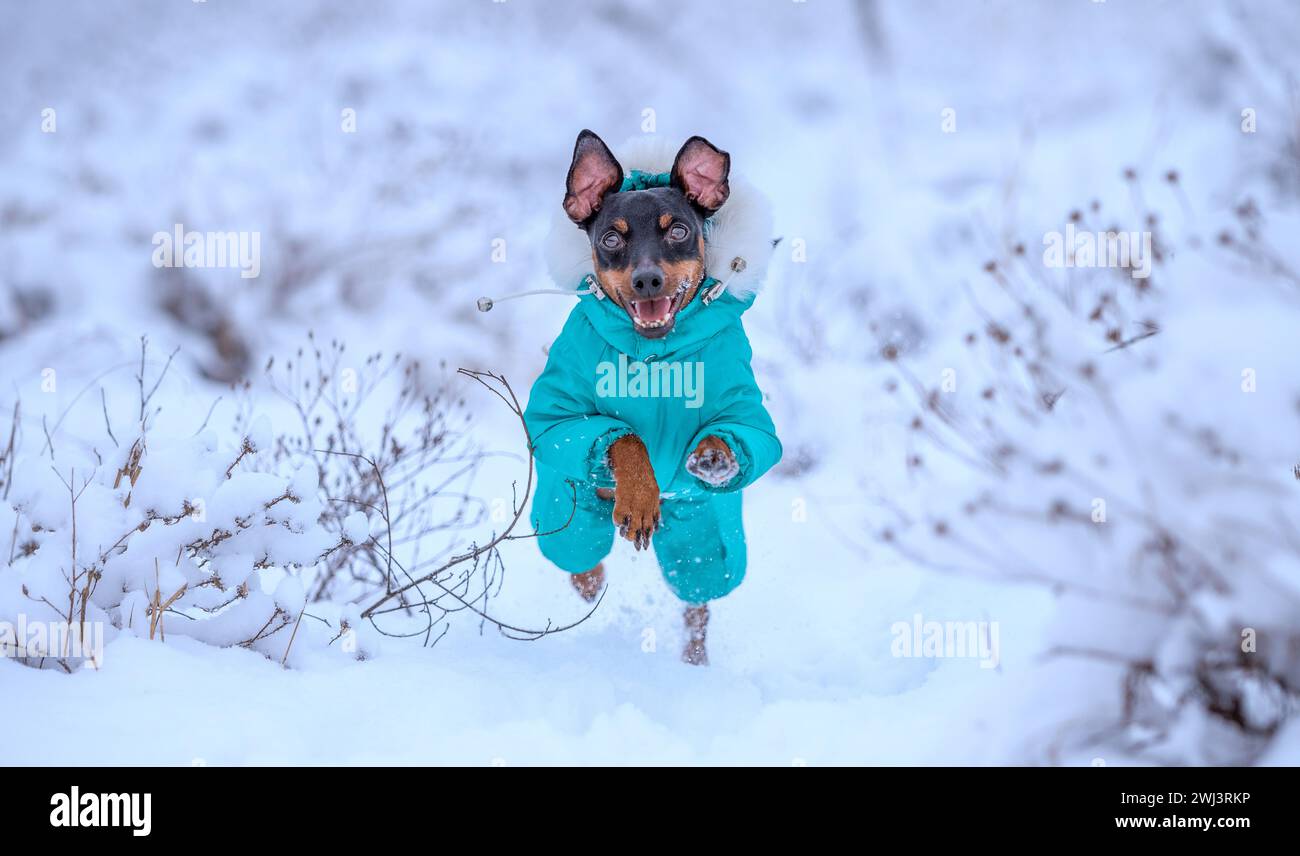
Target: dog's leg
697, 628
636, 493
589, 583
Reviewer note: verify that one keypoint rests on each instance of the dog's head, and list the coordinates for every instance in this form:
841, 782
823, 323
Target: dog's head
647, 246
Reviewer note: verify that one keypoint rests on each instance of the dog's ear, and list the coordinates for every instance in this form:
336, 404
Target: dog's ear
593, 173
700, 171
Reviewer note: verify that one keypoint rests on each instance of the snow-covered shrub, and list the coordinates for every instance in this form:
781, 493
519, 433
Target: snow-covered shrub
1129, 443
207, 535
344, 527
380, 441
168, 536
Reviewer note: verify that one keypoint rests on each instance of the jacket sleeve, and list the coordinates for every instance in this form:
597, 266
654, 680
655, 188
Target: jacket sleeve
566, 431
740, 419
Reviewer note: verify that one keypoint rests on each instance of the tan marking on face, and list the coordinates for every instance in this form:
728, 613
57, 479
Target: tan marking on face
615, 282
665, 220
689, 270
620, 225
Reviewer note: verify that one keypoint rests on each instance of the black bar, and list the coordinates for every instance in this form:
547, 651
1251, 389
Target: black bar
209, 804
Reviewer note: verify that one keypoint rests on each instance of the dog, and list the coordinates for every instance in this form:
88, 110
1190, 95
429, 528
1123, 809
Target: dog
647, 420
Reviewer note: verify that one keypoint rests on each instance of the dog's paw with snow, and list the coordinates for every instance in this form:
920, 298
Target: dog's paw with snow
712, 462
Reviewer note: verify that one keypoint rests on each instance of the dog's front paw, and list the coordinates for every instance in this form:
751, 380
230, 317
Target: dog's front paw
636, 512
712, 462
636, 492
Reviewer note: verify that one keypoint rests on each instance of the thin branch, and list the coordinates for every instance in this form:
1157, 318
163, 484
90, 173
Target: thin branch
108, 425
475, 552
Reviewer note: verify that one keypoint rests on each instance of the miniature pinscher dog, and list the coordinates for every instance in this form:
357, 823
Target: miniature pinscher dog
648, 256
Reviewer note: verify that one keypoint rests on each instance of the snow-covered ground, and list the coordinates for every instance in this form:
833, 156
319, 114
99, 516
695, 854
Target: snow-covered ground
904, 145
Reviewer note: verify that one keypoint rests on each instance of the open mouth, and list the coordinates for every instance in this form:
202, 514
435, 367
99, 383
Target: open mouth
654, 315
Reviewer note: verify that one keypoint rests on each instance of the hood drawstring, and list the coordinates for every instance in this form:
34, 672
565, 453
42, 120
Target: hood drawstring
485, 304
737, 265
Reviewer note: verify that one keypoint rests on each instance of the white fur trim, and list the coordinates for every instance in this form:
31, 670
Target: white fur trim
741, 228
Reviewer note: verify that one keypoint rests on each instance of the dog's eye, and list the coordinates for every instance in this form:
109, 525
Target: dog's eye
678, 232
611, 240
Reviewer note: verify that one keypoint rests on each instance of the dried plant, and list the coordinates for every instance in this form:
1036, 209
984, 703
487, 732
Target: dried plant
336, 510
1060, 467
411, 467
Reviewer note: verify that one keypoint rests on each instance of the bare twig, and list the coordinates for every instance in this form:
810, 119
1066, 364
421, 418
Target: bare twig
475, 552
108, 425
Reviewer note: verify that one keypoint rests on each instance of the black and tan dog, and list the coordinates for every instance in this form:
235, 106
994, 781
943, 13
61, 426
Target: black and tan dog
648, 410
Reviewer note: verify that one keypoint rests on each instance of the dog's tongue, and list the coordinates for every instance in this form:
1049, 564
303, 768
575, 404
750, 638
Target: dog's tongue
654, 309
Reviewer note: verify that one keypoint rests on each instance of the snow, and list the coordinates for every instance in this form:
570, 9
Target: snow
356, 527
384, 239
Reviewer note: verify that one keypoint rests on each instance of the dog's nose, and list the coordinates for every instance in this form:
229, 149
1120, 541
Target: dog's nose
648, 281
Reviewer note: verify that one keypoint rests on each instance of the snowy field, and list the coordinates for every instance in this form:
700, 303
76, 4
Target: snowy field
953, 407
